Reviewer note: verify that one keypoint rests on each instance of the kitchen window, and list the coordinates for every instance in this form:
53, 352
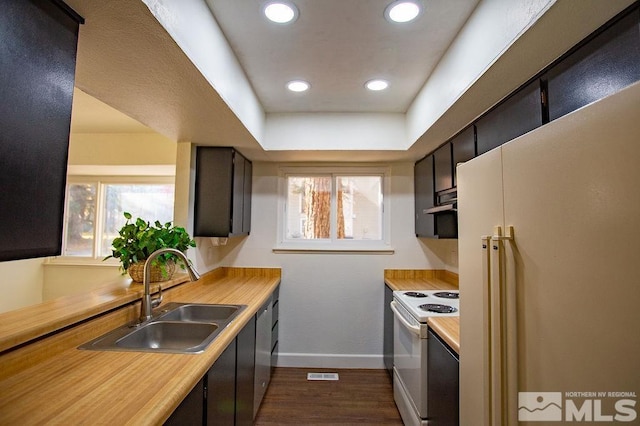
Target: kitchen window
95, 206
333, 209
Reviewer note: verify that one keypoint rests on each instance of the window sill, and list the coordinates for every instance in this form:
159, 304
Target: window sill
83, 261
306, 249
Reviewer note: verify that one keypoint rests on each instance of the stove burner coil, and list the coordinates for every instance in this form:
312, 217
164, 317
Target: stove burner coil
415, 294
447, 295
437, 308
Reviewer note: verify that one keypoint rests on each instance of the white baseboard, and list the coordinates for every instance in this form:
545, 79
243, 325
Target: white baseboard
301, 360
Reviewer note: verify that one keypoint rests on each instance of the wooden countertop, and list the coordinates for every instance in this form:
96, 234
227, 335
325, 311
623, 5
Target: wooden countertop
51, 381
409, 279
420, 279
22, 325
449, 329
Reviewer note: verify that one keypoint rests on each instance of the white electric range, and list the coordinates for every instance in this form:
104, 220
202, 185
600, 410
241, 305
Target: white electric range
411, 310
423, 304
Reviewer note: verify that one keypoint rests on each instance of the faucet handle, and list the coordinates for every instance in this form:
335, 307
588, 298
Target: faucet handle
158, 300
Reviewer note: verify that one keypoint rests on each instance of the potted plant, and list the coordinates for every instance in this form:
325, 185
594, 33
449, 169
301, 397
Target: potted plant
138, 239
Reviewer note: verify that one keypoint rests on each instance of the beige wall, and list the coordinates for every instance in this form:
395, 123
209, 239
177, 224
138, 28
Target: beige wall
21, 283
341, 291
121, 149
63, 280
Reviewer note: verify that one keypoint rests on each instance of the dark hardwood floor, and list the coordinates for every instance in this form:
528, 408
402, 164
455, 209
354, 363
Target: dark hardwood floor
360, 397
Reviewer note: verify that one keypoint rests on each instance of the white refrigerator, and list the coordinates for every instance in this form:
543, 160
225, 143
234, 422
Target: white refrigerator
549, 267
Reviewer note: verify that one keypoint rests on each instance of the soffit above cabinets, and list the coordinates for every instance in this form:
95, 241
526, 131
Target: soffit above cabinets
337, 46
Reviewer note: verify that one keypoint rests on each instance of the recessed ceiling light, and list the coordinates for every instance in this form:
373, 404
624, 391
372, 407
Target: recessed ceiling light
376, 85
402, 11
281, 12
298, 86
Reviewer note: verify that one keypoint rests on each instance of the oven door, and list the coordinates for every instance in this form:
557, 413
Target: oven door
410, 358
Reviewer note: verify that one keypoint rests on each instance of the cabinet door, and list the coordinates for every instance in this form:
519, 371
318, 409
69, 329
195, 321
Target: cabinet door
443, 378
221, 388
519, 114
424, 197
37, 66
223, 193
464, 149
245, 373
388, 331
238, 193
246, 205
275, 326
263, 355
214, 176
442, 166
603, 66
191, 410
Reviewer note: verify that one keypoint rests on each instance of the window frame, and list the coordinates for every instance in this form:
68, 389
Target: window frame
333, 244
101, 176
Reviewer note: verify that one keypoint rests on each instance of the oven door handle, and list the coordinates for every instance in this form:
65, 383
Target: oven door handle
413, 328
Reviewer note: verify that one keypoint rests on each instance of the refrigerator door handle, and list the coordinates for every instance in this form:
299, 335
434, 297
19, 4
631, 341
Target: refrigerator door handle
496, 321
503, 332
487, 289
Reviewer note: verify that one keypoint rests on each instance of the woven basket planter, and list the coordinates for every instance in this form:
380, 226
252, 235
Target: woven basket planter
136, 272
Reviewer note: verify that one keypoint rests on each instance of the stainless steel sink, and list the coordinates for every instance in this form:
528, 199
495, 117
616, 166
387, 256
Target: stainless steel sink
198, 312
177, 328
189, 337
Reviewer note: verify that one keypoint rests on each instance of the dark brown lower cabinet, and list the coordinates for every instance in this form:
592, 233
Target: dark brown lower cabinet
443, 379
245, 373
275, 327
220, 389
191, 410
224, 396
387, 342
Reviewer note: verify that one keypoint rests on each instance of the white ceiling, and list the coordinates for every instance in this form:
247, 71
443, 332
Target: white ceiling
337, 45
127, 59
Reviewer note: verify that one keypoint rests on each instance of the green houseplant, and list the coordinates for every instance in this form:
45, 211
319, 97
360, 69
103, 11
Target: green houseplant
138, 239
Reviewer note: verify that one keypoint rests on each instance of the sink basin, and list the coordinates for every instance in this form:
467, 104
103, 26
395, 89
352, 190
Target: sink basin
198, 312
177, 328
170, 336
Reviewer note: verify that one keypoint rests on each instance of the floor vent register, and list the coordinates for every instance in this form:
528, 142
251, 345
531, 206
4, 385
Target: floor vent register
322, 376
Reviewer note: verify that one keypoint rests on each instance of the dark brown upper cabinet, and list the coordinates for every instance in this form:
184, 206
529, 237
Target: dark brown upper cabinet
517, 115
443, 170
424, 197
599, 66
464, 148
223, 193
37, 73
606, 64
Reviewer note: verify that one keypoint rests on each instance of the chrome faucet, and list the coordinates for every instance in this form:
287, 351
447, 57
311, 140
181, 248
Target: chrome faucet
147, 302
